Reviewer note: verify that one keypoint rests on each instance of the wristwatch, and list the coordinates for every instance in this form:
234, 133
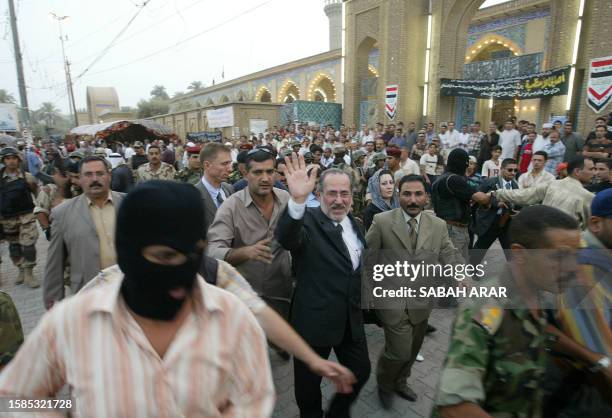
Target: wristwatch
602, 363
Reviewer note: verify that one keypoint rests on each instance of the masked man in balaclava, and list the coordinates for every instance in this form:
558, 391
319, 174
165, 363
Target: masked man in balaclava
156, 339
451, 196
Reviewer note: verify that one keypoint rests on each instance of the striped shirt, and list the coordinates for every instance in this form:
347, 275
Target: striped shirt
216, 366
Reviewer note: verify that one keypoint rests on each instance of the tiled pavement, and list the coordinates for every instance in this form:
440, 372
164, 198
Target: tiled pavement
423, 380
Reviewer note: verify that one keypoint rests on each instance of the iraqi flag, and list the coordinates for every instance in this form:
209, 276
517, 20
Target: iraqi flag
391, 96
599, 90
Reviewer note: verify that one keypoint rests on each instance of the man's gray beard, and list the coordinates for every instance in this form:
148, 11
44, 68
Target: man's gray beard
326, 211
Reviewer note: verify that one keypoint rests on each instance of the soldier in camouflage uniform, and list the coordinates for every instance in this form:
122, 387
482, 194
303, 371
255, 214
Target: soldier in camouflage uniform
498, 349
340, 163
155, 169
193, 172
11, 333
360, 185
18, 219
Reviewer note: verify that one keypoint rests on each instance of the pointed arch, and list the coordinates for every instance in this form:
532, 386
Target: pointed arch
322, 88
289, 92
487, 40
224, 99
263, 95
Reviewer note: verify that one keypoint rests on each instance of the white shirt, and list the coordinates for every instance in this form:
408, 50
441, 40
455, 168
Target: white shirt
129, 151
411, 167
490, 169
453, 138
430, 162
349, 236
539, 143
509, 141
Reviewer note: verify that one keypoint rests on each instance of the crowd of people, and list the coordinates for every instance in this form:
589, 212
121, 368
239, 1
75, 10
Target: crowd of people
170, 264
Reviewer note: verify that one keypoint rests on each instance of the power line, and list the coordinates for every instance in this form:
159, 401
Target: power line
110, 45
145, 29
231, 19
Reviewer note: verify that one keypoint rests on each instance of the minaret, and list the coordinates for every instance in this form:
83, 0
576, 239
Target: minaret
333, 10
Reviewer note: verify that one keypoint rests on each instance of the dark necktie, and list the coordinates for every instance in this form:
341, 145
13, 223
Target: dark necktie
413, 234
508, 185
219, 199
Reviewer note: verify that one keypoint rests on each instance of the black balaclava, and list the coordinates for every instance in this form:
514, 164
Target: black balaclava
143, 220
458, 162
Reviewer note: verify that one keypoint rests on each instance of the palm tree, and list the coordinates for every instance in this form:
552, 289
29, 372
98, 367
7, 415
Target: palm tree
47, 114
195, 85
6, 97
159, 92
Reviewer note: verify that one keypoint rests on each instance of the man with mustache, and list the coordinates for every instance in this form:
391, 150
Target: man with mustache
409, 234
242, 233
82, 232
326, 245
499, 346
156, 339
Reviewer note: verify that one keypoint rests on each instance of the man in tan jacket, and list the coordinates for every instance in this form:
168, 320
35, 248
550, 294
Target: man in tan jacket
405, 320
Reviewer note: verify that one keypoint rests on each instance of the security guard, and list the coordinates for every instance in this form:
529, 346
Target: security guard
193, 172
451, 196
18, 219
498, 352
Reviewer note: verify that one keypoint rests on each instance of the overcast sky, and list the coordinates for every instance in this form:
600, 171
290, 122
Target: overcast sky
239, 36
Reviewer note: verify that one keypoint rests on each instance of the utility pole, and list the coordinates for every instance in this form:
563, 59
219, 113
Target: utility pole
23, 95
71, 101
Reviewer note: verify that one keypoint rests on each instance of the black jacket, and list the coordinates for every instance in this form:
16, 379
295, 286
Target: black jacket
327, 295
486, 218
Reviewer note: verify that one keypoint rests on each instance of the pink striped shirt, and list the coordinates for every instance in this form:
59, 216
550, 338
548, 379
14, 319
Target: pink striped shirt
216, 366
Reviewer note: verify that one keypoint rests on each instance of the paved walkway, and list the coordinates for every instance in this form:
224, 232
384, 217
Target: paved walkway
423, 380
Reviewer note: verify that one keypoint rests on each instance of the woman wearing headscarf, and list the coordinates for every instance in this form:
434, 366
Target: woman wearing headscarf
384, 197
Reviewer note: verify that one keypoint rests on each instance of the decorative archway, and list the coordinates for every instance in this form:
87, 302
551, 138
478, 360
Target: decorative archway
490, 41
366, 80
322, 89
263, 95
240, 96
224, 99
289, 92
209, 102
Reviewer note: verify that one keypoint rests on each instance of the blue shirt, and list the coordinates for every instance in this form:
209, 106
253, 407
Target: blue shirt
33, 163
555, 153
213, 192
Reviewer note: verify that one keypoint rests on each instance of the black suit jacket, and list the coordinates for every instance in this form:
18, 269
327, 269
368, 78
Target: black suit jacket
327, 295
486, 218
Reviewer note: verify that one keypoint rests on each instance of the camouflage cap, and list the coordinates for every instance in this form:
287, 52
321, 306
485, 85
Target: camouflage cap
339, 148
296, 144
358, 154
100, 152
379, 156
76, 154
308, 158
287, 152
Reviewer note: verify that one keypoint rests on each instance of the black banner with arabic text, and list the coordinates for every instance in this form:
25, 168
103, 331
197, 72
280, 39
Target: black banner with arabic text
532, 86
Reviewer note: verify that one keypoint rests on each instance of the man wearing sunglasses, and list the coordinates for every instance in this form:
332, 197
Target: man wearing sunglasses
493, 223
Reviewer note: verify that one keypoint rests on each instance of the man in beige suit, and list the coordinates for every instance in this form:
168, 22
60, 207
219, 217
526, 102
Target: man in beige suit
426, 238
82, 232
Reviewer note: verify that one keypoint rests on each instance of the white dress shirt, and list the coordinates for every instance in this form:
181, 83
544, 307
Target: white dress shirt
349, 236
213, 191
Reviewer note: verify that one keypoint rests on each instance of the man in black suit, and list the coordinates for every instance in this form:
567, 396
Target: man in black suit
493, 223
326, 245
